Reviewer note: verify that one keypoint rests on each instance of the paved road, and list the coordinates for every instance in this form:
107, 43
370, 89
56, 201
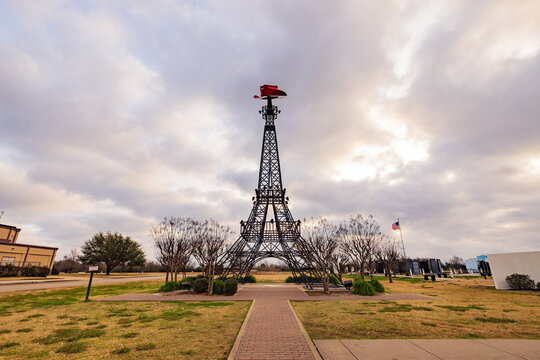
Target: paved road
24, 285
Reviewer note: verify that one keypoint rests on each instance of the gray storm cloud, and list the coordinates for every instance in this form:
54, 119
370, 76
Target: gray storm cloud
115, 115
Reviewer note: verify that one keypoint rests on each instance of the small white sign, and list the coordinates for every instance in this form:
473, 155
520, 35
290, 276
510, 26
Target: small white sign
93, 268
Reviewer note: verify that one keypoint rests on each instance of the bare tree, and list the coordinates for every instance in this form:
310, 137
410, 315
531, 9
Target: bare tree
456, 263
318, 242
173, 238
340, 261
210, 240
165, 249
360, 240
388, 252
69, 263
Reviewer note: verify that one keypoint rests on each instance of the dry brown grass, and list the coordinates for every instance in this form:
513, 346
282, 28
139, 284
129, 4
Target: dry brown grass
470, 309
42, 323
271, 277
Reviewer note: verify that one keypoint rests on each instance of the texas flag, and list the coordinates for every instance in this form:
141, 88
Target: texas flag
395, 226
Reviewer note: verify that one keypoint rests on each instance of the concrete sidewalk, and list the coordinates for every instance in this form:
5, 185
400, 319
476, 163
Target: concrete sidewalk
429, 349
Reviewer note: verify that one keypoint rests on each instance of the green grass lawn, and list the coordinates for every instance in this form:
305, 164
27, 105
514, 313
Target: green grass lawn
58, 324
470, 308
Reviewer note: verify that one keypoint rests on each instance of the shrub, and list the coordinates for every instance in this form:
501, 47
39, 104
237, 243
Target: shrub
363, 288
231, 285
190, 279
377, 286
200, 276
9, 270
219, 286
520, 282
169, 286
538, 285
200, 285
41, 271
250, 279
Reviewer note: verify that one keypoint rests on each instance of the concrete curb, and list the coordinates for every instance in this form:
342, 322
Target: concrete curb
236, 345
312, 347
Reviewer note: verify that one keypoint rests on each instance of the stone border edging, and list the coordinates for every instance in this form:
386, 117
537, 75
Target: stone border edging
312, 347
236, 344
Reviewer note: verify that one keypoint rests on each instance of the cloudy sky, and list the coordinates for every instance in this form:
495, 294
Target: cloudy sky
116, 114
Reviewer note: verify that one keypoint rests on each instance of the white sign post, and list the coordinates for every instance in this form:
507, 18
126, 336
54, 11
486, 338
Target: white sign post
92, 270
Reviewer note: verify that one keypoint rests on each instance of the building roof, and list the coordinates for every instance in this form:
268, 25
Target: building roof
28, 245
10, 227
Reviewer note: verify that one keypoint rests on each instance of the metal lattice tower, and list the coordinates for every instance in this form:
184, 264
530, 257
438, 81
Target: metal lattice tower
270, 230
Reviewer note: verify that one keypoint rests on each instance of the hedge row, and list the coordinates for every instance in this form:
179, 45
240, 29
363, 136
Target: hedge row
11, 271
200, 285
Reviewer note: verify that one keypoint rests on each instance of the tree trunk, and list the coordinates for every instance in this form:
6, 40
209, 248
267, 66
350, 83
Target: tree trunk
389, 272
167, 276
362, 265
325, 285
211, 281
325, 280
108, 269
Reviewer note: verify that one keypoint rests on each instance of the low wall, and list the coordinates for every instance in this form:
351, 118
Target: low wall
502, 265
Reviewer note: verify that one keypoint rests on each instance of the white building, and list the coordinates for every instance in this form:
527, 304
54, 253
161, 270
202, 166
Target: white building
502, 265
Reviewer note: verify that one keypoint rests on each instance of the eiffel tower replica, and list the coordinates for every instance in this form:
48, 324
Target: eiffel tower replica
270, 230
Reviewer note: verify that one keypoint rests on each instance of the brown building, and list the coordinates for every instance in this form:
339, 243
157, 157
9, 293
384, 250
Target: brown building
17, 254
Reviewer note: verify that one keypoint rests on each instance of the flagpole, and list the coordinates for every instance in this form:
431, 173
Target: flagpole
402, 244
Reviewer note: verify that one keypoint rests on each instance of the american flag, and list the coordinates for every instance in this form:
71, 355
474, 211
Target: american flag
395, 226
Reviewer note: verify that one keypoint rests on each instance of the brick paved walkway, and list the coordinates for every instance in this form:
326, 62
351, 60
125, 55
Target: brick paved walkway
271, 330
